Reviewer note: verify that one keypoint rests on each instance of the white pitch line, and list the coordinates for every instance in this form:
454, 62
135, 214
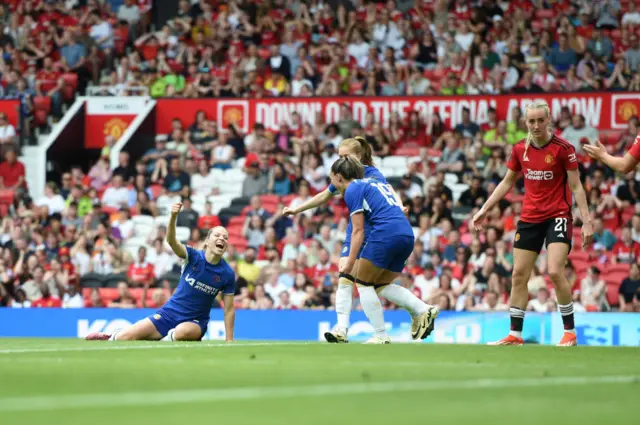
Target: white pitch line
136, 399
106, 346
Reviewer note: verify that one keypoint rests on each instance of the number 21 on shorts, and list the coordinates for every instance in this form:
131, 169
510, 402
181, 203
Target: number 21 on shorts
561, 225
385, 189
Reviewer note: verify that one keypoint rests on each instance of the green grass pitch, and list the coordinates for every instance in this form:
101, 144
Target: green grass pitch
101, 383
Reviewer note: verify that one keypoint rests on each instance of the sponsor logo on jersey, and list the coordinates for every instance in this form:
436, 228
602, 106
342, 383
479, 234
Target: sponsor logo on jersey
548, 159
538, 175
203, 287
157, 316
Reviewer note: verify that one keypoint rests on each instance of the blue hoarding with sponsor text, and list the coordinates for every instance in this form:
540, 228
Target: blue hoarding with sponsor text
603, 329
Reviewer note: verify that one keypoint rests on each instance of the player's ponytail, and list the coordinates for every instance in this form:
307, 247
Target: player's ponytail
359, 147
349, 167
367, 152
535, 105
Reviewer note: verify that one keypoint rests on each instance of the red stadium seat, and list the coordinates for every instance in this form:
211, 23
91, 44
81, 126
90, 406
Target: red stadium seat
612, 294
619, 268
71, 84
407, 151
6, 196
237, 220
269, 199
286, 200
41, 110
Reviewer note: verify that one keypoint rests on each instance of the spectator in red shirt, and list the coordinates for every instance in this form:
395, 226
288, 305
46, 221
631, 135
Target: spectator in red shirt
12, 173
49, 83
141, 271
47, 300
626, 250
208, 220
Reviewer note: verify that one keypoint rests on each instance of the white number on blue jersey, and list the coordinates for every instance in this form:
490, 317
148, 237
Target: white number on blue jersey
387, 192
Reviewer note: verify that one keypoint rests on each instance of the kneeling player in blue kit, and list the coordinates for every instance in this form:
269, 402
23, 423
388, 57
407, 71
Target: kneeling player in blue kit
186, 315
382, 254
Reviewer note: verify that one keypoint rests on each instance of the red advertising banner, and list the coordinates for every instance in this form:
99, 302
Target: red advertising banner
601, 110
109, 116
12, 109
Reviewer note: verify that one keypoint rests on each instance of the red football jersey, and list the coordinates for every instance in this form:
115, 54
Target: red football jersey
625, 253
547, 194
634, 150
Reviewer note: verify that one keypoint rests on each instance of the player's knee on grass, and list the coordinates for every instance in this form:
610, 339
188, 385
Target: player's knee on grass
126, 335
188, 332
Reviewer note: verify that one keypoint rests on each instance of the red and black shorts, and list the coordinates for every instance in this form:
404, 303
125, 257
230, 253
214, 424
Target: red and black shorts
532, 236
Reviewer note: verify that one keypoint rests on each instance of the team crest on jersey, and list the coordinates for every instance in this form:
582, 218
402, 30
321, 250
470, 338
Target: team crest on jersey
157, 316
217, 279
517, 238
548, 159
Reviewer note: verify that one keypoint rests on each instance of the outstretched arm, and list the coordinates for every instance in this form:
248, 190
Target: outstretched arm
177, 247
623, 164
501, 190
320, 199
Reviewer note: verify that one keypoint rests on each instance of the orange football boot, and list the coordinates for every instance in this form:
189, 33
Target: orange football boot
509, 340
569, 339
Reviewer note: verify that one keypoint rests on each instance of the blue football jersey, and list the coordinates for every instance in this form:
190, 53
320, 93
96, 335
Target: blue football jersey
199, 285
382, 213
369, 173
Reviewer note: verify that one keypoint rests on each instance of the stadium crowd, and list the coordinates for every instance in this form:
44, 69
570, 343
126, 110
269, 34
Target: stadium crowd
96, 237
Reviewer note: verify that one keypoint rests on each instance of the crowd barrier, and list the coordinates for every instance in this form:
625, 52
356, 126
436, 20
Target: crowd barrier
597, 329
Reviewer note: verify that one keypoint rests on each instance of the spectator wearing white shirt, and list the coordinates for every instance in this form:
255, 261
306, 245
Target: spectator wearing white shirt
358, 49
542, 303
101, 31
72, 298
222, 153
129, 12
7, 131
204, 182
631, 16
20, 299
274, 288
427, 282
303, 196
577, 131
386, 34
116, 195
162, 261
298, 82
51, 199
314, 172
125, 224
464, 37
293, 247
